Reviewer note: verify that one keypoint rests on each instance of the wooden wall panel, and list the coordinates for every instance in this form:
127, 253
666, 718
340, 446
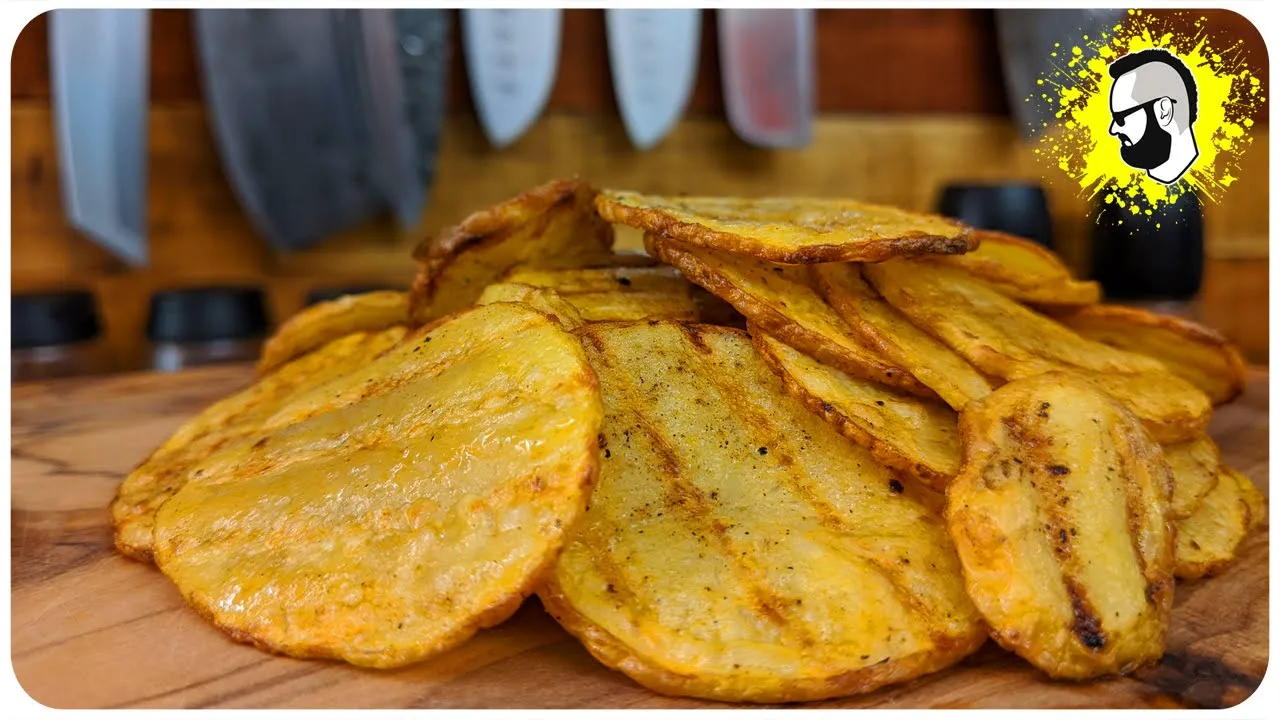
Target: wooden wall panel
878, 61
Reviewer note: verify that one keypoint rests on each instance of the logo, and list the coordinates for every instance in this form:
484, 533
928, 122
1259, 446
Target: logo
1149, 109
1153, 106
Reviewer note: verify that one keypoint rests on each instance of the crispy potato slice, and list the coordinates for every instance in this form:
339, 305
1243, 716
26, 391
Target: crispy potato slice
242, 415
1253, 497
1195, 473
324, 322
543, 299
553, 225
617, 293
788, 230
1007, 340
907, 433
739, 548
885, 330
655, 278
1172, 409
1060, 516
391, 514
1209, 538
1193, 352
781, 300
1023, 270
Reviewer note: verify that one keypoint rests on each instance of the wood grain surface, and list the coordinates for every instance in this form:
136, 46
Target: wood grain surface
92, 629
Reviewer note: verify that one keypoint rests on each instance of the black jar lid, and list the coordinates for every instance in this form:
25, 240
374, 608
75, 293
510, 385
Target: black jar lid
54, 318
205, 314
1015, 207
325, 294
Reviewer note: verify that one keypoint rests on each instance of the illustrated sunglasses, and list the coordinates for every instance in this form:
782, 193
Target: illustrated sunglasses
1120, 117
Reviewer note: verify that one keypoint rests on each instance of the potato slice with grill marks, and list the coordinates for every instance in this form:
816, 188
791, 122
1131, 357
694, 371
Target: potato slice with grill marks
739, 548
1007, 340
1195, 466
1060, 515
392, 513
553, 226
906, 433
1023, 270
781, 300
227, 421
324, 322
1193, 352
885, 330
788, 230
1209, 537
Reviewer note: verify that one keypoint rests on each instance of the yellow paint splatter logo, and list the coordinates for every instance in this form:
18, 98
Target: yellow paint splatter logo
1147, 111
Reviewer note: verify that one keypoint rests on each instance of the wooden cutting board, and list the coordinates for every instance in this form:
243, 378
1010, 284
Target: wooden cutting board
92, 629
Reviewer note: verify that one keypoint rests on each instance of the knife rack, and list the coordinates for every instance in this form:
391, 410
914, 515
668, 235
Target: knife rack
907, 101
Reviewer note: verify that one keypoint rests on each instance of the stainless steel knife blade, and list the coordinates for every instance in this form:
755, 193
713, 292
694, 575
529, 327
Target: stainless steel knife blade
512, 57
403, 77
1027, 41
653, 57
767, 57
280, 86
98, 61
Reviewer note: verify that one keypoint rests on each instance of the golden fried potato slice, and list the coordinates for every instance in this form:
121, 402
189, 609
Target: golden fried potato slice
553, 225
1193, 352
1023, 270
618, 293
1209, 538
1195, 472
1005, 339
781, 300
788, 230
543, 299
904, 432
886, 331
654, 278
739, 548
393, 513
242, 415
324, 322
1253, 497
1172, 409
1060, 516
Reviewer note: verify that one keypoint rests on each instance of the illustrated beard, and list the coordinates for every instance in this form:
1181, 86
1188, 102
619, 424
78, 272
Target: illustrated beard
1152, 150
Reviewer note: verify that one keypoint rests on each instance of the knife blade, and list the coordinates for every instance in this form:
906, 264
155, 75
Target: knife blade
403, 64
280, 87
98, 62
512, 57
653, 57
1027, 42
767, 57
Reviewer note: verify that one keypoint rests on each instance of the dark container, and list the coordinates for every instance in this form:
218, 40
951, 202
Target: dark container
1020, 209
1149, 258
55, 335
204, 326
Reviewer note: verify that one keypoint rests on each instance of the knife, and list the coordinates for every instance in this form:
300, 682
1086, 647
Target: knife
653, 56
402, 78
1027, 43
98, 61
281, 89
768, 64
512, 57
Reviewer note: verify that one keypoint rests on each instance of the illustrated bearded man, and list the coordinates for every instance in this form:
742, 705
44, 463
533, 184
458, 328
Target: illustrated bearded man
1153, 106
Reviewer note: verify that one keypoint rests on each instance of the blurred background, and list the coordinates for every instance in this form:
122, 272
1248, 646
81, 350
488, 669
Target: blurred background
903, 105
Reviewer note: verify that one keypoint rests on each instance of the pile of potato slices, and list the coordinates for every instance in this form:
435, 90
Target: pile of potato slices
798, 449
